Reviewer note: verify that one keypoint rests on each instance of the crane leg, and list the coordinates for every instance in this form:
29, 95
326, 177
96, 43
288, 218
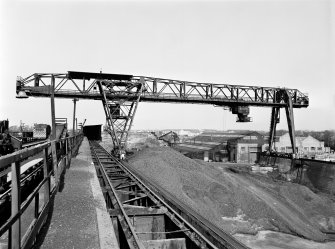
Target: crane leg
290, 123
274, 121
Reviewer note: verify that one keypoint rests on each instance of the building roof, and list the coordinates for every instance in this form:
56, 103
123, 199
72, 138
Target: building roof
209, 140
192, 148
299, 139
285, 139
218, 137
246, 134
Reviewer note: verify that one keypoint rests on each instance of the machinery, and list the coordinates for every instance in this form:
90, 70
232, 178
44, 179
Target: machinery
41, 131
170, 137
6, 145
4, 124
120, 95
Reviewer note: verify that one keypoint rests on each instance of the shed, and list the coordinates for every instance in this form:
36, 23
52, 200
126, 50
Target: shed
246, 148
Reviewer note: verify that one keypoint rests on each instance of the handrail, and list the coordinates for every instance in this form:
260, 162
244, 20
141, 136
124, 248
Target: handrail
27, 152
67, 148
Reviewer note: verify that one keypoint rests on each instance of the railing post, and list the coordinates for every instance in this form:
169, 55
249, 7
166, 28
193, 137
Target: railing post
72, 146
66, 153
37, 204
54, 161
16, 203
53, 129
46, 173
74, 116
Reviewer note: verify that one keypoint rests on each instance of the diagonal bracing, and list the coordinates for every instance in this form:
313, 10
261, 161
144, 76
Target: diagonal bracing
120, 112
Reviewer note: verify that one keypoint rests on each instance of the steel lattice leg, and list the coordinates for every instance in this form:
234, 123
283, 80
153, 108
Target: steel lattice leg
120, 112
274, 121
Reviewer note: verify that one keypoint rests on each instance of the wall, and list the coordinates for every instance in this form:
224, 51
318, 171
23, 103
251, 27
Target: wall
315, 173
247, 152
246, 149
320, 174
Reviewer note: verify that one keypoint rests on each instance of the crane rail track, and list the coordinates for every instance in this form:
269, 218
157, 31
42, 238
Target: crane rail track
127, 192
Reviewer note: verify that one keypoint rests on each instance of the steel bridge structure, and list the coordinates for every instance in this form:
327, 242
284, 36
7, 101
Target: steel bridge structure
120, 95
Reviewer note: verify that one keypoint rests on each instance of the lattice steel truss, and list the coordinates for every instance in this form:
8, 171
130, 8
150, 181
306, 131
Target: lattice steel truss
84, 85
120, 112
285, 96
121, 94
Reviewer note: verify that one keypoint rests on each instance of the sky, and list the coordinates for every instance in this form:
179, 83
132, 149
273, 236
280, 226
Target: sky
264, 43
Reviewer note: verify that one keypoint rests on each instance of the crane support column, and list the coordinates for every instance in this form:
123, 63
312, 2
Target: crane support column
290, 121
283, 95
120, 112
74, 116
110, 125
274, 121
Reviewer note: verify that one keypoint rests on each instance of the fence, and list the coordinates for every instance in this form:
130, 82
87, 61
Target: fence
56, 156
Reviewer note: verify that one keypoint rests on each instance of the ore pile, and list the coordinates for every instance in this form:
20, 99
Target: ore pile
237, 201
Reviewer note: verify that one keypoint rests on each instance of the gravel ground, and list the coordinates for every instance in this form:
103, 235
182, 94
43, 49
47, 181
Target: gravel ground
236, 200
277, 240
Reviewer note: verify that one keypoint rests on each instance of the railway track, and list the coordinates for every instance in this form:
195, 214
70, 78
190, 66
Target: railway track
147, 216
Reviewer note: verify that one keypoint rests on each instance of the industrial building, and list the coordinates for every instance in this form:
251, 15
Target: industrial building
235, 146
306, 146
208, 146
246, 148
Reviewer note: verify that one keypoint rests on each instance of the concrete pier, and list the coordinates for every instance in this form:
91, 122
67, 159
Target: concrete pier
79, 217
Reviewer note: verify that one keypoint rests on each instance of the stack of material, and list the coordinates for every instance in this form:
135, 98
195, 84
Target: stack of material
41, 131
237, 201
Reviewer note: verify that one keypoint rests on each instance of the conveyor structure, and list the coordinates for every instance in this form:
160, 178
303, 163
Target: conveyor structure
146, 216
120, 95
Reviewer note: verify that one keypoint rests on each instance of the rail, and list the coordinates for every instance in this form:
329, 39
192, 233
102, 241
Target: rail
126, 194
56, 156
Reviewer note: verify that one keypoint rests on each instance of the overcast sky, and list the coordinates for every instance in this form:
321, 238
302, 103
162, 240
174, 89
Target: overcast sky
266, 43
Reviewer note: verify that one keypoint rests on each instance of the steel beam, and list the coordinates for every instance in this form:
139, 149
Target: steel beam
120, 112
286, 96
290, 121
160, 90
111, 129
274, 121
124, 92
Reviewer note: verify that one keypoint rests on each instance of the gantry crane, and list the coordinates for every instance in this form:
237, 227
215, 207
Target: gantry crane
120, 95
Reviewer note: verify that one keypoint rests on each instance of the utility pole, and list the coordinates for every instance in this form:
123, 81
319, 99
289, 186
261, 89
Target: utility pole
53, 117
53, 130
74, 115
